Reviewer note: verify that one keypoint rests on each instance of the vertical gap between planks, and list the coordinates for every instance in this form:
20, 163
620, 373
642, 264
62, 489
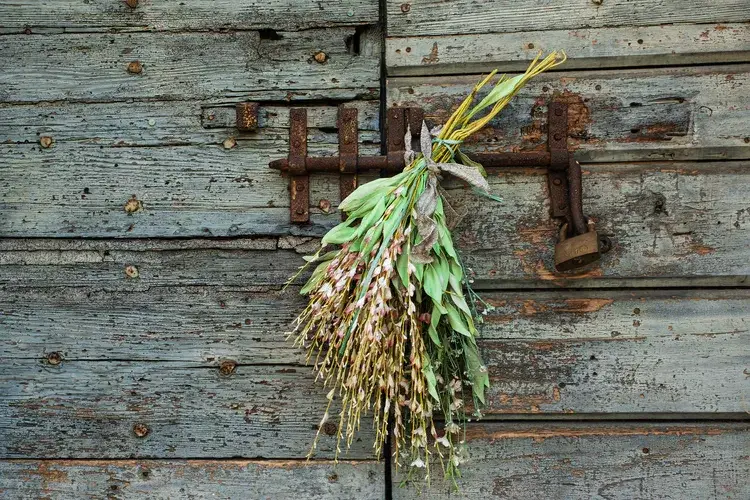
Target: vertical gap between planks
383, 20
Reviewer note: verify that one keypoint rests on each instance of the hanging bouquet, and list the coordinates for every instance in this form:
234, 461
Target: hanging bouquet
390, 324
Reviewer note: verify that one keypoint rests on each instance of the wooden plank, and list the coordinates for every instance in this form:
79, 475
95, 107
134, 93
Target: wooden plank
166, 123
87, 409
76, 189
607, 47
626, 115
180, 66
617, 352
672, 224
104, 15
571, 354
168, 479
613, 461
435, 17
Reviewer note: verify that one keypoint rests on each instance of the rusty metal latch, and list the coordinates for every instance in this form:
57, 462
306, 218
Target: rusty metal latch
579, 243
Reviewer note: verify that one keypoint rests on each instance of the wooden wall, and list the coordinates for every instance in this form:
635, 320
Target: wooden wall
628, 379
142, 354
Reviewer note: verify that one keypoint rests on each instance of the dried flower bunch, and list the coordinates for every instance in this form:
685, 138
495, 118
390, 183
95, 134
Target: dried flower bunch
390, 324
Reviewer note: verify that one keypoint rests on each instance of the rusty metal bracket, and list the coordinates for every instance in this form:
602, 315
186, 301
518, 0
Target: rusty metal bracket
247, 116
564, 172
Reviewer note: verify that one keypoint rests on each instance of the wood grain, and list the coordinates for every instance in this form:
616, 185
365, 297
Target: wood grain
435, 17
607, 47
672, 224
627, 115
613, 461
180, 66
166, 123
86, 409
583, 353
193, 15
169, 479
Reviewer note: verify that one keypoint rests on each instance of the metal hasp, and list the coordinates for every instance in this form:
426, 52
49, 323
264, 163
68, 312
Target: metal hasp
579, 243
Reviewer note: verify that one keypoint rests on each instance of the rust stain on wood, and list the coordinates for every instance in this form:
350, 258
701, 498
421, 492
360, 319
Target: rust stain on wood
432, 58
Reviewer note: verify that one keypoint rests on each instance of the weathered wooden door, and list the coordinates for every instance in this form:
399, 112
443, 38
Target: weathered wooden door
144, 242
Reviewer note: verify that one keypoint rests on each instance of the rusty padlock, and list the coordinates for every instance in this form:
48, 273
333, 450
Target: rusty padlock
577, 251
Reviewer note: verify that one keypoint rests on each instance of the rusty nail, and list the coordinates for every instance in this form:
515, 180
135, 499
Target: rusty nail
530, 45
46, 141
141, 430
133, 205
131, 272
329, 428
299, 187
54, 358
597, 2
558, 137
229, 143
135, 67
324, 205
131, 3
320, 57
226, 368
300, 211
556, 182
405, 8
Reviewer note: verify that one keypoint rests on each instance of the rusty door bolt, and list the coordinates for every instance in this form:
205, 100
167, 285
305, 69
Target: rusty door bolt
320, 57
54, 358
229, 143
46, 141
135, 67
131, 272
133, 205
141, 430
226, 368
131, 3
405, 8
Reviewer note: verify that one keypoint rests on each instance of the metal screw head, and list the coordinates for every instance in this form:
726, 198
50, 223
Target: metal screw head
226, 368
54, 358
229, 143
46, 141
558, 112
133, 205
131, 272
329, 428
135, 68
131, 3
405, 8
324, 205
556, 182
558, 137
299, 187
141, 430
320, 57
300, 211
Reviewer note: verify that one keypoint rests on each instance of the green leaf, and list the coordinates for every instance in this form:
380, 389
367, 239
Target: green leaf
432, 283
339, 234
429, 376
402, 264
319, 258
432, 331
475, 370
314, 280
458, 321
372, 217
370, 192
446, 241
460, 301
